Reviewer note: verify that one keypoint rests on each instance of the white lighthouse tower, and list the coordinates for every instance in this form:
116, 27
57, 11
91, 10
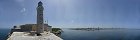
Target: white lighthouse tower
40, 24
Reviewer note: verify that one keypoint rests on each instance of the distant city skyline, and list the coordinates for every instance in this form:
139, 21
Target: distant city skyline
72, 13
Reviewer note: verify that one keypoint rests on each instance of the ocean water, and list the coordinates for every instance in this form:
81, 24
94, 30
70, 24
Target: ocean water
122, 34
3, 33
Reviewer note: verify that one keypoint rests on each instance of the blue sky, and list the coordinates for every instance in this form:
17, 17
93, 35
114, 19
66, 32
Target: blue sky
72, 13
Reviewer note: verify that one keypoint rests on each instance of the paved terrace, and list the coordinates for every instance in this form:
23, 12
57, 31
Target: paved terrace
26, 36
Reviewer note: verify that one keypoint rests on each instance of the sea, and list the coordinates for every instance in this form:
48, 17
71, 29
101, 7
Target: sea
110, 34
4, 33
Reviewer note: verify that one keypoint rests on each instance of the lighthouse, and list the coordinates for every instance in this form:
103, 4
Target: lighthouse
40, 24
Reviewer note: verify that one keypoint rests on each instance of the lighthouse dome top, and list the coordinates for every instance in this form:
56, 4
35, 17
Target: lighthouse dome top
40, 3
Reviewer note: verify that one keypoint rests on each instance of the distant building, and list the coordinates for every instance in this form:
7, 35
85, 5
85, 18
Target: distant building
47, 28
33, 27
15, 29
26, 27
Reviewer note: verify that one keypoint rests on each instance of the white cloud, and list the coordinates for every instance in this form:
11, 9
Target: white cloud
72, 21
23, 10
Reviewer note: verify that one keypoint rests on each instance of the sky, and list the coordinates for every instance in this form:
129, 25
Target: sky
72, 13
